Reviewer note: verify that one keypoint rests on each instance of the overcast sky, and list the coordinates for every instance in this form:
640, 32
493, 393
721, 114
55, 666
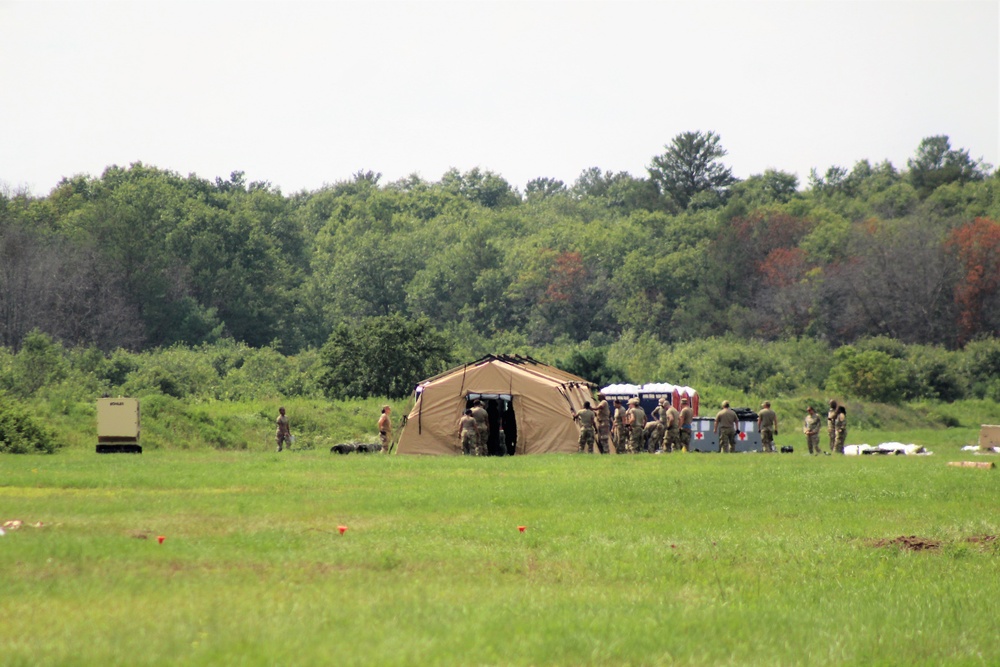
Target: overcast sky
303, 93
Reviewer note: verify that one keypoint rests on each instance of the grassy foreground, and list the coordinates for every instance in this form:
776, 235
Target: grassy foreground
679, 559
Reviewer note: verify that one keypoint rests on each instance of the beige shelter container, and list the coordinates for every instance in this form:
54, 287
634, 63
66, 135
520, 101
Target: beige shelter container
989, 436
541, 397
118, 426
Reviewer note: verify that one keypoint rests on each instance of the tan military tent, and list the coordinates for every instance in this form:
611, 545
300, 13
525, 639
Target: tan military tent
535, 403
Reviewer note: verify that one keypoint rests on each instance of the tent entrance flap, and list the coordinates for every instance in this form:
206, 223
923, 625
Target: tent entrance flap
503, 422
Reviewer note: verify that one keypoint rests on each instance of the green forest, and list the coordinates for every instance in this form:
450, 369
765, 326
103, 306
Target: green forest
878, 279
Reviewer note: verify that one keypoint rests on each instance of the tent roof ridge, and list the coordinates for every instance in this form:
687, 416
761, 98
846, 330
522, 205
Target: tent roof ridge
526, 364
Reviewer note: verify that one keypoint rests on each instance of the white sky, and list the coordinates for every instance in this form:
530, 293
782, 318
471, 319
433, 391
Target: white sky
304, 93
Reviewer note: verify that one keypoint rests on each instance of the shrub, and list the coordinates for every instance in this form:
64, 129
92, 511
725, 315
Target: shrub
20, 434
871, 375
751, 367
382, 356
592, 364
177, 371
892, 347
39, 362
8, 378
265, 373
118, 367
982, 365
934, 373
639, 356
808, 361
992, 390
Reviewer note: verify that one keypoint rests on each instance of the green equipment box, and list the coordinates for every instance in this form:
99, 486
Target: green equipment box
118, 426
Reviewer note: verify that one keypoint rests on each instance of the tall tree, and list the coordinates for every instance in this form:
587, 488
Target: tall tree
381, 356
64, 289
543, 187
937, 163
620, 191
768, 188
898, 281
483, 187
691, 166
977, 246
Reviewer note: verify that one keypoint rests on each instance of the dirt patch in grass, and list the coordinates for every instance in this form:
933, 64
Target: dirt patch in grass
909, 542
915, 543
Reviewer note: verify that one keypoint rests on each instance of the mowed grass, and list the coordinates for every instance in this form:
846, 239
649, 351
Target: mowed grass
679, 559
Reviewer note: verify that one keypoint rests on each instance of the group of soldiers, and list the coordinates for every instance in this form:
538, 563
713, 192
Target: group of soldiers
669, 430
630, 431
836, 426
767, 422
474, 430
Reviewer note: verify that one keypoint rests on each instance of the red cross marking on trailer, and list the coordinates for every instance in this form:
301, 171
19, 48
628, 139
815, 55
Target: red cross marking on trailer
698, 436
743, 436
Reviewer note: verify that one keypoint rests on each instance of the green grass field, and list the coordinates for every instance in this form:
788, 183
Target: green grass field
679, 559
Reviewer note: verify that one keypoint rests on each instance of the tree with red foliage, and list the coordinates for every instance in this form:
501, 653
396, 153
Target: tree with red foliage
568, 277
784, 267
977, 246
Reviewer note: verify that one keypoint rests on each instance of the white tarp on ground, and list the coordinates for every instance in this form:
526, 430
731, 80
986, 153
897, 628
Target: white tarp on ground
887, 448
981, 450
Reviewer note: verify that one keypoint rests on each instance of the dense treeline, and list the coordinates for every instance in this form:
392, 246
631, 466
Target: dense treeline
225, 390
142, 258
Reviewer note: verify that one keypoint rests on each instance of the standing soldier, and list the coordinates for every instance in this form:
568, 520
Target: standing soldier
725, 428
831, 425
687, 418
768, 424
468, 434
810, 426
385, 428
284, 434
619, 435
673, 426
635, 417
587, 419
840, 425
660, 415
603, 424
482, 428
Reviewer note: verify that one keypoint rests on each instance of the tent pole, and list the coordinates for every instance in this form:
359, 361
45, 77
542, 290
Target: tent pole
461, 392
395, 440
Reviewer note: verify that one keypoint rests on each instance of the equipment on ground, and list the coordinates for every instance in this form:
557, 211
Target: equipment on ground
118, 426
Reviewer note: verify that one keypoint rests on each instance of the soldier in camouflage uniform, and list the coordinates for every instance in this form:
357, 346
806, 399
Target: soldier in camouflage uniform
831, 425
482, 428
810, 426
767, 421
284, 432
636, 419
673, 426
660, 415
619, 433
603, 413
840, 426
725, 427
652, 435
687, 417
385, 428
468, 434
587, 420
